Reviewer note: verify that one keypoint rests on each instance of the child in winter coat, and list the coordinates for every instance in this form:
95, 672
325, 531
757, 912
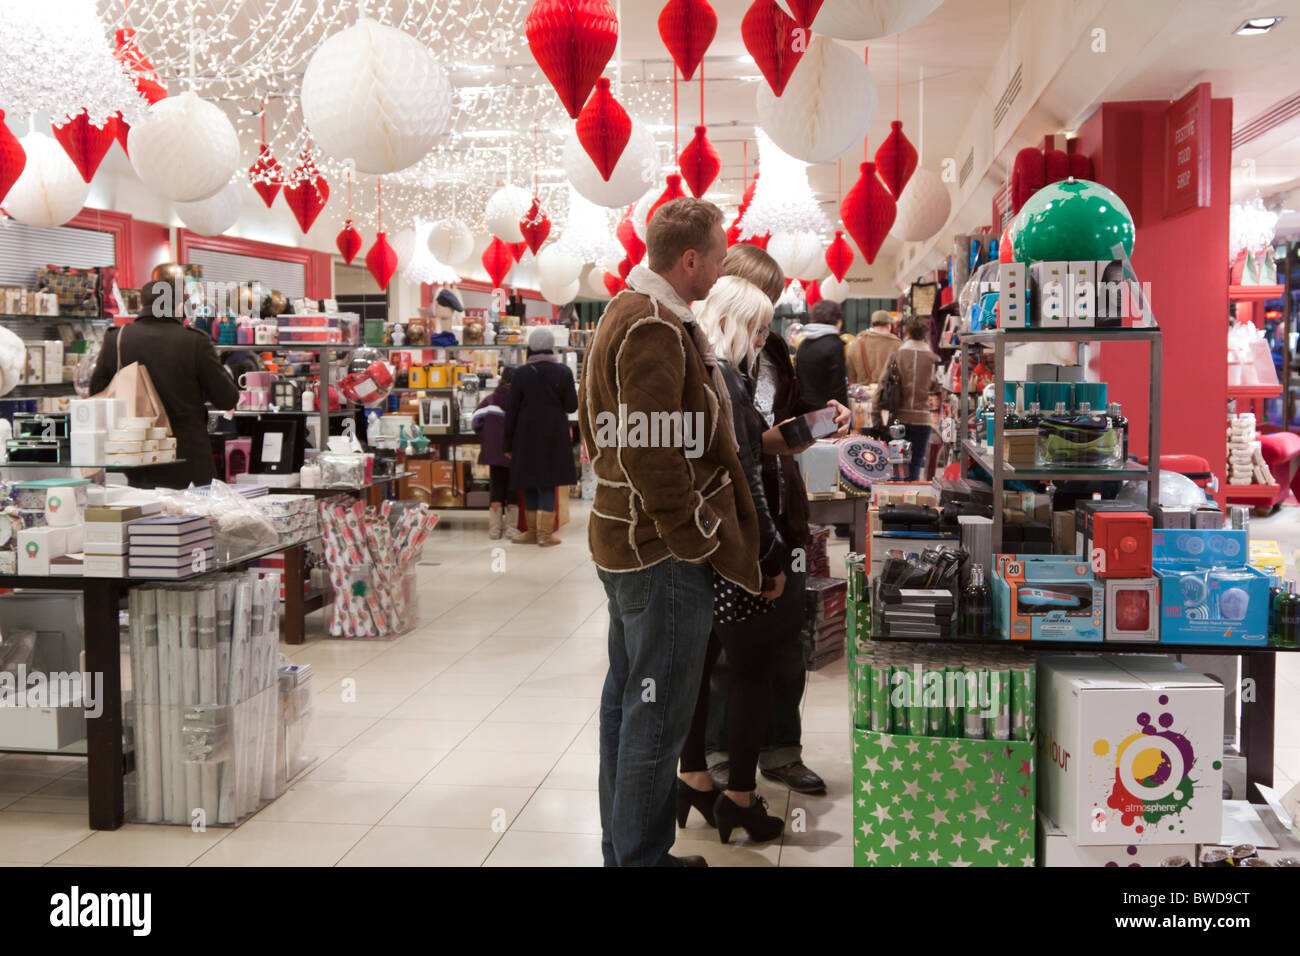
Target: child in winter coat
489, 424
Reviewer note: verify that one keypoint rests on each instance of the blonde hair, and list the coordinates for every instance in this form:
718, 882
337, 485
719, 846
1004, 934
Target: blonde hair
757, 266
746, 310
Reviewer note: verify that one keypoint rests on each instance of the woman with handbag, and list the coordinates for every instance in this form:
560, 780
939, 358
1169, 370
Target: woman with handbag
185, 372
736, 317
489, 423
905, 388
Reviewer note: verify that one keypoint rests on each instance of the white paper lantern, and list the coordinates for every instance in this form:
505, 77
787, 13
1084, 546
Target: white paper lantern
559, 293
595, 283
827, 106
641, 212
507, 206
376, 96
636, 172
923, 208
186, 149
50, 191
557, 267
799, 254
214, 215
451, 242
404, 245
834, 289
869, 19
13, 357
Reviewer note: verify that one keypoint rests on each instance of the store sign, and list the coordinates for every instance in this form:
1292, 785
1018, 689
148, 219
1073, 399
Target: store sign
1187, 152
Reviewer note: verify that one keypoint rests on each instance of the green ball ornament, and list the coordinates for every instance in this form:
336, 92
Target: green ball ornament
1073, 219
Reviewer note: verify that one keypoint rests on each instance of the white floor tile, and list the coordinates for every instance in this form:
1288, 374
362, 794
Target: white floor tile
521, 848
505, 737
839, 855
335, 801
393, 733
549, 710
466, 768
561, 811
574, 771
460, 807
143, 845
336, 730
422, 846
267, 843
39, 837
370, 765
429, 704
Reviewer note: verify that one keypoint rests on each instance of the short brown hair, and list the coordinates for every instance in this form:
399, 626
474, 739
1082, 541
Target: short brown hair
827, 312
678, 226
917, 328
755, 265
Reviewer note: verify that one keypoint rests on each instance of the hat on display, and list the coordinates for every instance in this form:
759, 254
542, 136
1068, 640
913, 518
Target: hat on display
448, 299
541, 339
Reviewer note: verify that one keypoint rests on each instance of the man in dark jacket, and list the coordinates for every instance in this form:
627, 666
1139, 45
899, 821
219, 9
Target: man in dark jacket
667, 516
186, 373
819, 362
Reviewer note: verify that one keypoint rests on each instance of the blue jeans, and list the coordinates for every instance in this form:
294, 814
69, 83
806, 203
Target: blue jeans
539, 499
919, 436
659, 621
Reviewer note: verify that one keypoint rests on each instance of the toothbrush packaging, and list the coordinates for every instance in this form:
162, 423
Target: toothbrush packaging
1047, 598
1208, 594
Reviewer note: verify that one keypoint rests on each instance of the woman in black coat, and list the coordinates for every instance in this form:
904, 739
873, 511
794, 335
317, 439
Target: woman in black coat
537, 436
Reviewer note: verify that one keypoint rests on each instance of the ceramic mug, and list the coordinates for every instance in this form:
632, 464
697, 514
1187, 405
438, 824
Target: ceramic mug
256, 380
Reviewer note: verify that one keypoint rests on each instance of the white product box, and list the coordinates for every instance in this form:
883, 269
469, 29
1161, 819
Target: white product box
119, 461
108, 549
1131, 750
1013, 296
104, 566
76, 539
36, 546
120, 433
53, 721
97, 534
54, 361
1132, 609
89, 414
1081, 305
157, 434
167, 444
114, 411
1049, 281
87, 447
1057, 849
123, 447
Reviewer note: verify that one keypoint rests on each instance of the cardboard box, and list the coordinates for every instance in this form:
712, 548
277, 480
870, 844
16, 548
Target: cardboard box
1208, 594
1081, 304
52, 721
1057, 849
104, 566
36, 546
1013, 296
1047, 598
1131, 748
87, 447
1048, 282
1266, 556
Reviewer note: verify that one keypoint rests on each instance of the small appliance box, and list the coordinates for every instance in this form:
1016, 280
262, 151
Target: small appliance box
1208, 595
1013, 296
1057, 849
1047, 598
1081, 306
1131, 750
1049, 281
1132, 609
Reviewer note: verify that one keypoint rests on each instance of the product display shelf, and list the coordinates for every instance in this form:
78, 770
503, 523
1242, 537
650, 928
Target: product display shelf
1000, 472
1261, 493
1252, 392
107, 761
64, 464
42, 390
1254, 293
8, 316
257, 413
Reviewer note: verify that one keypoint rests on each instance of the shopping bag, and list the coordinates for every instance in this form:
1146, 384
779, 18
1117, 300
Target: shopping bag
134, 385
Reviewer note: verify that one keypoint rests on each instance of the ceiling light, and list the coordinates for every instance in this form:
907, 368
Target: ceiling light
746, 58
1257, 26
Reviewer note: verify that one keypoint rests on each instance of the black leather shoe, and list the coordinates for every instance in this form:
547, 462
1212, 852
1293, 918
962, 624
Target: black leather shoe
702, 800
720, 773
797, 777
754, 819
687, 860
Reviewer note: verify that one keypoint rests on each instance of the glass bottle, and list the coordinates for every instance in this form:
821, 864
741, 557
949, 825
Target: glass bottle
1288, 617
1085, 410
1012, 420
1275, 593
1120, 424
1032, 416
1061, 410
976, 606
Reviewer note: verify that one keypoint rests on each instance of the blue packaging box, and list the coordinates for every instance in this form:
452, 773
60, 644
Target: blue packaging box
1047, 598
1208, 594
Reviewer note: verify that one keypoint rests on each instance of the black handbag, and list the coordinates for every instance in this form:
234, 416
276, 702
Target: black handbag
732, 604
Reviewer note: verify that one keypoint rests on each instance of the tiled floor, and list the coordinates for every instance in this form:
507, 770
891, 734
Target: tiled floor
472, 740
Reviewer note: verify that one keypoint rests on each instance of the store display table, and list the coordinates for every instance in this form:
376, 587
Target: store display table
107, 763
843, 510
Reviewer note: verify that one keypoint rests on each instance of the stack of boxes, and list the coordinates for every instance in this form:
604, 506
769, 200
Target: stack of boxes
169, 546
108, 537
294, 516
1060, 294
50, 540
1209, 594
138, 441
825, 622
91, 421
1246, 465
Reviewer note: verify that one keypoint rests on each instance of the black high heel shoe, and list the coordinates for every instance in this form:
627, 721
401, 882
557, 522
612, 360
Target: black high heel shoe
702, 800
754, 819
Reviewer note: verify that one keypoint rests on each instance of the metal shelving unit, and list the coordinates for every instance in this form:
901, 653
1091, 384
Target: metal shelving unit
991, 459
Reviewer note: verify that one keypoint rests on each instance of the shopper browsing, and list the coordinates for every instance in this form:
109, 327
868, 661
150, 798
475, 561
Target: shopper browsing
489, 423
819, 360
777, 398
536, 435
916, 368
662, 523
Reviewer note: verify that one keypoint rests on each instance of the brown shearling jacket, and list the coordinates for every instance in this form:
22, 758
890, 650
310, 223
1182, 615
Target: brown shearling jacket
647, 358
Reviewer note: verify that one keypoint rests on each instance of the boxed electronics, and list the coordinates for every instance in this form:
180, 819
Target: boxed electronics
1047, 598
1055, 848
1131, 750
1132, 609
1208, 594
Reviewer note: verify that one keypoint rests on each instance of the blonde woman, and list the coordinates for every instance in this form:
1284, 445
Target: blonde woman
735, 318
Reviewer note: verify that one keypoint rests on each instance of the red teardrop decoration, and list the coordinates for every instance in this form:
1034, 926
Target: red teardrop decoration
517, 250
839, 255
896, 159
603, 129
700, 162
572, 40
748, 198
613, 284
535, 226
498, 259
267, 176
733, 233
306, 192
868, 211
85, 143
804, 13
381, 260
123, 130
1028, 175
12, 158
812, 291
624, 267
1056, 165
629, 240
348, 242
770, 38
140, 67
687, 27
672, 191
1081, 166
